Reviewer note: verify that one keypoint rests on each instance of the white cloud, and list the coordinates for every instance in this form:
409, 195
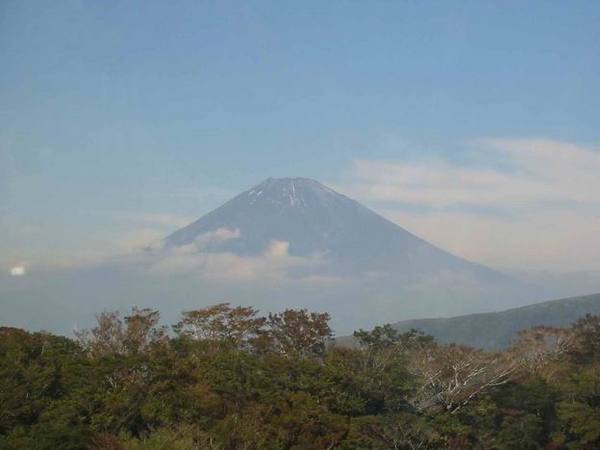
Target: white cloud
537, 206
538, 240
161, 220
538, 171
217, 236
278, 249
134, 240
275, 264
17, 271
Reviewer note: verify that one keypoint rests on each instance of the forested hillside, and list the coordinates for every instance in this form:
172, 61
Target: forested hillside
226, 378
496, 330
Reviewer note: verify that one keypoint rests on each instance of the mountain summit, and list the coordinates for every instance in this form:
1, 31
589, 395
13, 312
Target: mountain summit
300, 211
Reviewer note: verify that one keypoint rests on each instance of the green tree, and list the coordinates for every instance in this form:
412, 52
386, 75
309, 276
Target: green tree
580, 408
222, 325
299, 333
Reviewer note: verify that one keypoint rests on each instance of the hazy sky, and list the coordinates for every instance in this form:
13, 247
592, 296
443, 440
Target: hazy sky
473, 124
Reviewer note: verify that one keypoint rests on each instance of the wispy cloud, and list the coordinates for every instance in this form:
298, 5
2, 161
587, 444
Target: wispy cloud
534, 202
164, 220
217, 236
532, 172
274, 264
551, 239
203, 194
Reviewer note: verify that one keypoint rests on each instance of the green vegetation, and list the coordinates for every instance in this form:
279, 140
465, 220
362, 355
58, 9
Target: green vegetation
227, 378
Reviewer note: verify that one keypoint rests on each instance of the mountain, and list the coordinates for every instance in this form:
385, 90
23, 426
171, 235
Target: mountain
495, 331
312, 219
383, 270
285, 243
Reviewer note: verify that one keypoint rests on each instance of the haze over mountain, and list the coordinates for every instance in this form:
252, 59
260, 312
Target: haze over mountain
288, 242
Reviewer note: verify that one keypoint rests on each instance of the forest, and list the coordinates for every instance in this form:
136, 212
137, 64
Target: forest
225, 377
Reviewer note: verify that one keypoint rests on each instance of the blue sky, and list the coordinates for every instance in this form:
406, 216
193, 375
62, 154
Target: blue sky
122, 120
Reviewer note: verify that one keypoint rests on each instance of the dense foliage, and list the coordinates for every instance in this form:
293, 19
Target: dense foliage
226, 378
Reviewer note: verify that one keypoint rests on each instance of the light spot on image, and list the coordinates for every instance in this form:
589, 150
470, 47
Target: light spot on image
17, 271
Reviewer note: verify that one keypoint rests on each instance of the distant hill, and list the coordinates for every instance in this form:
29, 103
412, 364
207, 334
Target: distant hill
496, 330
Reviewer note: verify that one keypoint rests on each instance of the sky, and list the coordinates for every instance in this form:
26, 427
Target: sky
472, 124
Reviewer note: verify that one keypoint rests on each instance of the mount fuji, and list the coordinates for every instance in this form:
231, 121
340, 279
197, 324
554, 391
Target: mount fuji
314, 219
285, 243
383, 270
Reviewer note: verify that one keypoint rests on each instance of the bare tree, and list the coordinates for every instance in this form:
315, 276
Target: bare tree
453, 375
538, 347
106, 338
142, 330
114, 336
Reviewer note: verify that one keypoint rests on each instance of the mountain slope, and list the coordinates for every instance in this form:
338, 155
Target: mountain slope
495, 330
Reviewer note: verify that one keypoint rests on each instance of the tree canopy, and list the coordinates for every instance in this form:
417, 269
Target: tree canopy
225, 377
